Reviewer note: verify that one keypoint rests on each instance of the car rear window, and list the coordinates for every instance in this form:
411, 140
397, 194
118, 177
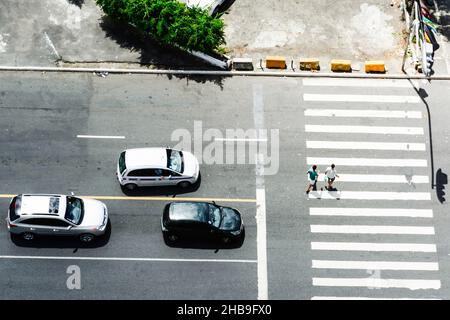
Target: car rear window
14, 208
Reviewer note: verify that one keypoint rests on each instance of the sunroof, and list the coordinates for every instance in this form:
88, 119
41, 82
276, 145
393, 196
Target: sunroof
54, 205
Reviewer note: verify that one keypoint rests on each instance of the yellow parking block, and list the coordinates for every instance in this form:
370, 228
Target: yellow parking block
276, 62
309, 64
375, 66
341, 65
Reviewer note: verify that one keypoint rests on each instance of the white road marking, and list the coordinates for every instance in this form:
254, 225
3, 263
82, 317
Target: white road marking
368, 162
375, 265
376, 83
99, 137
365, 229
369, 145
240, 139
261, 232
371, 212
378, 178
364, 129
364, 113
360, 98
366, 298
377, 247
369, 195
124, 259
412, 284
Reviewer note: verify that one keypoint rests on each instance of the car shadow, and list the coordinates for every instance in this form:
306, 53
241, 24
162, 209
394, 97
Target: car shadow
201, 243
63, 242
162, 191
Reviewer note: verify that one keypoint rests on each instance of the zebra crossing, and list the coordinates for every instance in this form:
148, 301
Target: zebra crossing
373, 237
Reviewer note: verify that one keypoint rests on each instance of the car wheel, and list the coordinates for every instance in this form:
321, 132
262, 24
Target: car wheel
131, 186
184, 184
28, 236
86, 237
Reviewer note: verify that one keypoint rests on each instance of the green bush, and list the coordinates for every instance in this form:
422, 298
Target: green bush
170, 22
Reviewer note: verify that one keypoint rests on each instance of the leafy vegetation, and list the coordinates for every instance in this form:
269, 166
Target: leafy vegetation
170, 22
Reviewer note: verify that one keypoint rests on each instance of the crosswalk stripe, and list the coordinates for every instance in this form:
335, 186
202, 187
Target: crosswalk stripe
371, 212
377, 247
363, 129
358, 145
366, 229
412, 284
375, 265
369, 195
376, 83
378, 178
363, 113
360, 98
368, 162
366, 298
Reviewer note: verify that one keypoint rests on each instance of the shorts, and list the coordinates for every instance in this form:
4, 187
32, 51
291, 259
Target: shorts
331, 179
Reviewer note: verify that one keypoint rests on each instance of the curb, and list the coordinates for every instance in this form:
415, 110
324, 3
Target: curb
227, 73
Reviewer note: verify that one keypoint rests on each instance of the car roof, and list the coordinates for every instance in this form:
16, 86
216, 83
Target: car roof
43, 205
140, 158
189, 211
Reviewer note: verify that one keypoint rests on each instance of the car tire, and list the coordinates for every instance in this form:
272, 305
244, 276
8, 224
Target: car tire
130, 186
28, 236
86, 237
184, 184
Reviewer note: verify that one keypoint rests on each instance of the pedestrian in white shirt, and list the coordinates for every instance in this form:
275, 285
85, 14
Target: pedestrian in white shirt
331, 175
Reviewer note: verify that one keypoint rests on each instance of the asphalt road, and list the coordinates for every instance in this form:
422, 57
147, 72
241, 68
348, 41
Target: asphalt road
293, 244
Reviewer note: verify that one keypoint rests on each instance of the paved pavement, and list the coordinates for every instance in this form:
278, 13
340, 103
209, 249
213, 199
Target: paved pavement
75, 33
382, 235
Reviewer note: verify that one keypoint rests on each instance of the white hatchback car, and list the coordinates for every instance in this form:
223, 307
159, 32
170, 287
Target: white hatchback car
210, 5
144, 167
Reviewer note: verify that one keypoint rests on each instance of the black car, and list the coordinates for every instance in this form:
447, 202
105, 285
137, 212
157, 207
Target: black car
201, 219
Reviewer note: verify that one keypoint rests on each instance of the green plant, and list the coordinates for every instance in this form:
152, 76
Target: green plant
170, 22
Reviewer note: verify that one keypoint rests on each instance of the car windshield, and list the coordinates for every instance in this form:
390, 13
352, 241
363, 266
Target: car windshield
122, 166
215, 216
74, 210
175, 160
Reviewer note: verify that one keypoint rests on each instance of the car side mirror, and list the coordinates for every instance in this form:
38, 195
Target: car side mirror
214, 203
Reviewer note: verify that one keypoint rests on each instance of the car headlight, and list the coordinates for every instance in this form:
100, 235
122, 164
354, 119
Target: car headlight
236, 233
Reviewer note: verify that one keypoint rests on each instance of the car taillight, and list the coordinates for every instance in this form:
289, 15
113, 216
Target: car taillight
12, 225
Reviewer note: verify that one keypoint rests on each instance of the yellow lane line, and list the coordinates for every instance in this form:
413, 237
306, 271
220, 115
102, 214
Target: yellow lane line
157, 198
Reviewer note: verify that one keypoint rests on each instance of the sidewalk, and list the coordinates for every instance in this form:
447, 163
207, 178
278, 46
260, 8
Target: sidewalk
75, 33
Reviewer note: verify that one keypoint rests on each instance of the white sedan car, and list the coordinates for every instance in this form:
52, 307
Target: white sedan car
146, 167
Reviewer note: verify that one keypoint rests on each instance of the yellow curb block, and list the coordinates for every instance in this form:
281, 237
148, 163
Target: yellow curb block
375, 66
341, 65
309, 64
276, 62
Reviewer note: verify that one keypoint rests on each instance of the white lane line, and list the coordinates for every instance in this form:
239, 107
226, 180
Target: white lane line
369, 195
364, 129
365, 145
375, 265
368, 162
261, 232
363, 113
360, 98
99, 137
378, 178
376, 83
240, 139
371, 212
367, 298
364, 229
124, 259
370, 246
412, 284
